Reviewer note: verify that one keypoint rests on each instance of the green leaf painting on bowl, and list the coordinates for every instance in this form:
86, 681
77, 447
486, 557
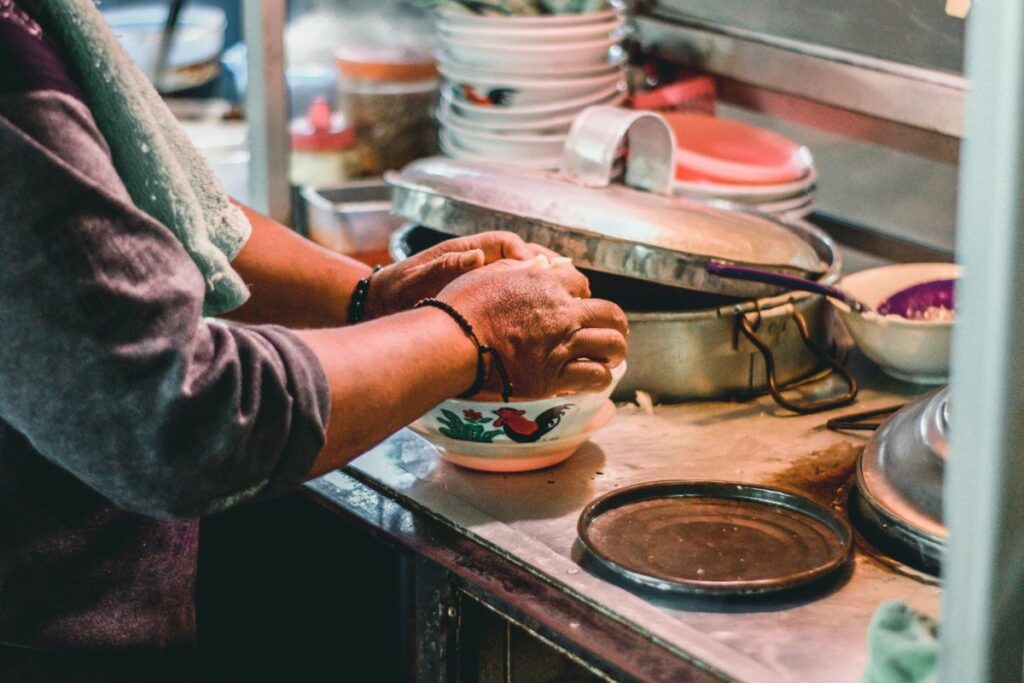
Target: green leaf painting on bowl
472, 426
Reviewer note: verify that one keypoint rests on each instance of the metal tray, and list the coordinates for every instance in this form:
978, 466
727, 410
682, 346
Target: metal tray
714, 538
354, 217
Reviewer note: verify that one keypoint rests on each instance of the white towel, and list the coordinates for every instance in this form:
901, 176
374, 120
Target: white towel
163, 172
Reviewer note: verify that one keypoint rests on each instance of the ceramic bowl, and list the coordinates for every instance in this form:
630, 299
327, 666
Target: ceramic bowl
530, 35
615, 63
448, 115
508, 146
515, 92
452, 18
500, 457
497, 53
613, 95
518, 435
911, 350
451, 149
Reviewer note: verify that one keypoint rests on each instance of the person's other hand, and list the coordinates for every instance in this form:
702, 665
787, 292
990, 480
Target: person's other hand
399, 286
550, 335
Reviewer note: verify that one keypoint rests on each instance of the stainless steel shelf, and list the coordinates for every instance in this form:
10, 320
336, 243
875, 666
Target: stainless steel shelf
899, 105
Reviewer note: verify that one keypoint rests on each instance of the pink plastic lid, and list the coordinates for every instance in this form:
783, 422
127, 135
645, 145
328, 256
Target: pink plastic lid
320, 130
725, 151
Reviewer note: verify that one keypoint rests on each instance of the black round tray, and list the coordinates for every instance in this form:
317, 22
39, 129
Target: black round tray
714, 538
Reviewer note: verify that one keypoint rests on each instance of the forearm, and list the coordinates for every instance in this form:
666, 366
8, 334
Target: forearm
384, 374
293, 281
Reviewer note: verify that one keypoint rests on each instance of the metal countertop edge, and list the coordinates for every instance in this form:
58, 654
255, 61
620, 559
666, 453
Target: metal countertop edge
631, 610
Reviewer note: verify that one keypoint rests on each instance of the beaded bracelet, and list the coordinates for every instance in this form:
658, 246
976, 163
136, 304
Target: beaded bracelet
357, 304
481, 351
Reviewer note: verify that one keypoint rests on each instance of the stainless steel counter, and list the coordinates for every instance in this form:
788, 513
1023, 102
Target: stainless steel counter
530, 519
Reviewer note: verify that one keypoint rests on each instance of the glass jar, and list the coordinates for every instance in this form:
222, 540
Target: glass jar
389, 95
324, 151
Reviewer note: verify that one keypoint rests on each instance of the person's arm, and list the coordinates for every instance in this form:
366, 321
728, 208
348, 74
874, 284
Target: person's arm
111, 372
297, 283
293, 281
108, 366
388, 372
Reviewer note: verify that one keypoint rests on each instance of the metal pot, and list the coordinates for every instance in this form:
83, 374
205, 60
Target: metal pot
693, 335
705, 353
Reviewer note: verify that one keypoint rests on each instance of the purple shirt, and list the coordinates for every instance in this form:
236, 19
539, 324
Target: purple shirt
124, 415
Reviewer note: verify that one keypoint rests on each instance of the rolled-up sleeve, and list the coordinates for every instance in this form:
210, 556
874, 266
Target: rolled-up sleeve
106, 364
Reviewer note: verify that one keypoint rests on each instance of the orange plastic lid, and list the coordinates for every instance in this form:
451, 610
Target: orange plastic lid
375, 63
726, 151
320, 130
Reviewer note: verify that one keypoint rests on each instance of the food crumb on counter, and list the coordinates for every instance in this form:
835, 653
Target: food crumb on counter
646, 403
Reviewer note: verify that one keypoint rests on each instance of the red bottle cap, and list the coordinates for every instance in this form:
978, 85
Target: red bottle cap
320, 130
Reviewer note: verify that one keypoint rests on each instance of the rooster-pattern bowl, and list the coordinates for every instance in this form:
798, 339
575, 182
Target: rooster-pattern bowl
518, 429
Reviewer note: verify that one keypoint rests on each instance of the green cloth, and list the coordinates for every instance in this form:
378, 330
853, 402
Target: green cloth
164, 173
903, 646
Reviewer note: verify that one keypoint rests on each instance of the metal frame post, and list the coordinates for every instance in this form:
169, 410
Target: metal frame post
266, 106
982, 627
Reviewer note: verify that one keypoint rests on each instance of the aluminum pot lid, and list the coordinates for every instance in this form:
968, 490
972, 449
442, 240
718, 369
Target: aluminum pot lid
583, 212
902, 469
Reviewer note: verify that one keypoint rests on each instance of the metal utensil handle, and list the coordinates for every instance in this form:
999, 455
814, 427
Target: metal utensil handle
788, 281
807, 407
867, 421
166, 40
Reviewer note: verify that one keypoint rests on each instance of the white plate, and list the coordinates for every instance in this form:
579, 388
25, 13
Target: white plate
747, 193
556, 124
505, 457
560, 20
519, 92
612, 95
804, 202
615, 62
543, 54
521, 35
451, 149
507, 147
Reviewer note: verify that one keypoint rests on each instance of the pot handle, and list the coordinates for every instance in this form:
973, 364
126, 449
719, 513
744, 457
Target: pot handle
805, 407
596, 141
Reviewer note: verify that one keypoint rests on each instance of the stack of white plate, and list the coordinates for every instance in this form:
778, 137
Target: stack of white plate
735, 165
513, 85
786, 200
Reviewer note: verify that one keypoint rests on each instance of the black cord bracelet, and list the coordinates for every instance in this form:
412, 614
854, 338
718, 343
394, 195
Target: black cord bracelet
481, 351
357, 304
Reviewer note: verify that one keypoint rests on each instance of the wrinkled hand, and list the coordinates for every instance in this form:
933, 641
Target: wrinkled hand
550, 335
399, 286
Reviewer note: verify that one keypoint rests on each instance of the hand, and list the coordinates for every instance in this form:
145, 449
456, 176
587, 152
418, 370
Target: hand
550, 336
399, 286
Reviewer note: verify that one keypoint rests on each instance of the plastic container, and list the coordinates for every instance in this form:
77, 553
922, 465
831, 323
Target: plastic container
324, 151
389, 95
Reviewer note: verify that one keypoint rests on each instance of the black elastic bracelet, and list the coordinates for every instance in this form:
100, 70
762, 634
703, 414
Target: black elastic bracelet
357, 304
481, 351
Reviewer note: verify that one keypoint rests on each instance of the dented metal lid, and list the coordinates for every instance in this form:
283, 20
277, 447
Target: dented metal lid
580, 213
